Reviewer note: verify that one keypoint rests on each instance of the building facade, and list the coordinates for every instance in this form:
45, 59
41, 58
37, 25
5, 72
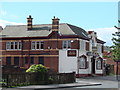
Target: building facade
61, 47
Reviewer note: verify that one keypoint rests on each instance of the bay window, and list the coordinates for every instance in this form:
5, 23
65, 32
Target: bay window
99, 63
83, 62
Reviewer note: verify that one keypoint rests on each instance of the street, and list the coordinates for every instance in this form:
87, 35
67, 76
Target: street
108, 83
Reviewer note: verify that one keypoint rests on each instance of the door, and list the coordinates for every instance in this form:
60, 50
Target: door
93, 65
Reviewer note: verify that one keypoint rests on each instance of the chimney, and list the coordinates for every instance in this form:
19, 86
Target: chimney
55, 24
1, 28
29, 22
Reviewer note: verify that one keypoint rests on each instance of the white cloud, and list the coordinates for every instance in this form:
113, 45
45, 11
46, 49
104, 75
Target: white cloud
3, 13
105, 34
3, 23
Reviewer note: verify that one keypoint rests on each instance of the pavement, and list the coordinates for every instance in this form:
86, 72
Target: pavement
55, 86
83, 82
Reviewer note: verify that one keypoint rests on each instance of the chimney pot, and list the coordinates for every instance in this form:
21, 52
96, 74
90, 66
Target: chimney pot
29, 22
55, 24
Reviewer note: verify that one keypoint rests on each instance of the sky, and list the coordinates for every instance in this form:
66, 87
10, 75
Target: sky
96, 16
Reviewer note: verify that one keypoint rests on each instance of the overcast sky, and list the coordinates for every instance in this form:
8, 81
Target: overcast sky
98, 16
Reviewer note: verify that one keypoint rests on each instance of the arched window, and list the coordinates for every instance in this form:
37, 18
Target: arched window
83, 62
99, 63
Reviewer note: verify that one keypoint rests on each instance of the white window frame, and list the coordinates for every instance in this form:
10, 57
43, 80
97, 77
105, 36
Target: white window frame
13, 45
8, 47
99, 64
35, 43
41, 45
67, 44
82, 62
32, 45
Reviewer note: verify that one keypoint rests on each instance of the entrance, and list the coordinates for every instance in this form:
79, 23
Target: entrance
93, 65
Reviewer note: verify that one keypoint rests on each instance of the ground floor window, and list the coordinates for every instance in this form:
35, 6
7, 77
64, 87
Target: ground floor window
8, 60
26, 60
31, 60
99, 63
83, 62
41, 60
16, 61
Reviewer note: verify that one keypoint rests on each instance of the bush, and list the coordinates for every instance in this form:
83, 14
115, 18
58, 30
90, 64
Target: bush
37, 68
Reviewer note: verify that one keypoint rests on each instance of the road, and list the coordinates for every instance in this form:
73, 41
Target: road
108, 83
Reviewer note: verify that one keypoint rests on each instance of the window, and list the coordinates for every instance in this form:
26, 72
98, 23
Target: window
8, 45
82, 45
42, 45
99, 63
20, 45
16, 45
31, 60
37, 45
67, 44
83, 62
41, 60
64, 44
13, 45
8, 60
33, 45
26, 60
16, 61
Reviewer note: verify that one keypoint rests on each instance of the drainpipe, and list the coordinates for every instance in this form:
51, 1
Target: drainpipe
29, 52
78, 57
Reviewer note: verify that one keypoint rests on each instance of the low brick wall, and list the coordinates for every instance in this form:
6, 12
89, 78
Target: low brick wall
22, 79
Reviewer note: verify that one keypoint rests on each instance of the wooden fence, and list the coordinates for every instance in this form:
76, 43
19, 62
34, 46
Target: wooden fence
22, 79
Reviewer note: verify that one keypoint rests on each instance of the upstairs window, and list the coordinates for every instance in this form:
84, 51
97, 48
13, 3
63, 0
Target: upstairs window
8, 45
66, 44
13, 45
82, 45
37, 45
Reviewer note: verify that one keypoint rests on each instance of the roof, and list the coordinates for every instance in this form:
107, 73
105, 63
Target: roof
42, 30
99, 41
107, 48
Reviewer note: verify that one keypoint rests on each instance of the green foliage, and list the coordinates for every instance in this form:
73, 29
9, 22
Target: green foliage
116, 46
37, 68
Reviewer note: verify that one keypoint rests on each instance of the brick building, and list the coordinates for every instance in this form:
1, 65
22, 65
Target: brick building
62, 47
109, 60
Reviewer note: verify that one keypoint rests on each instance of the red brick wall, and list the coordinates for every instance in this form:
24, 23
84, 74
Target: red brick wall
75, 44
111, 61
52, 63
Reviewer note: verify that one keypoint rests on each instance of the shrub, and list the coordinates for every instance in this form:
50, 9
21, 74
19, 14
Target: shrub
37, 68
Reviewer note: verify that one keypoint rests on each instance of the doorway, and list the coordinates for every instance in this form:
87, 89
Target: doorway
93, 65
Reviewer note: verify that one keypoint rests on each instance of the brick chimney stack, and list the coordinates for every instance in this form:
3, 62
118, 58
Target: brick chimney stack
55, 24
29, 22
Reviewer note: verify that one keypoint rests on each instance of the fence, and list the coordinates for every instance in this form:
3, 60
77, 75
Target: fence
22, 79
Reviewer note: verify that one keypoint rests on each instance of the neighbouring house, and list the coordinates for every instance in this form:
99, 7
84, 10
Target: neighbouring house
62, 47
111, 64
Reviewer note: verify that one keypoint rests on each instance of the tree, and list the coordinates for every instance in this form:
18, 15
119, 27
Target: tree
37, 68
116, 44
